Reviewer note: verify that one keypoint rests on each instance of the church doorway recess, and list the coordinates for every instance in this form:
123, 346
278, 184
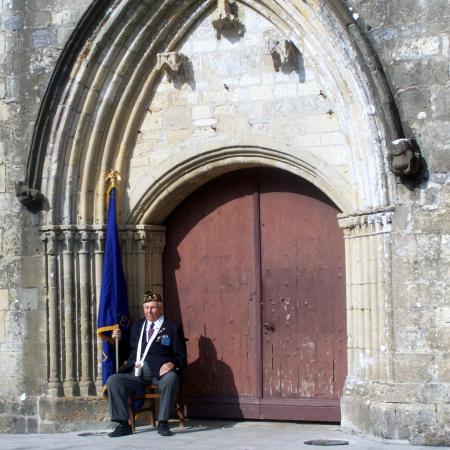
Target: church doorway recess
254, 268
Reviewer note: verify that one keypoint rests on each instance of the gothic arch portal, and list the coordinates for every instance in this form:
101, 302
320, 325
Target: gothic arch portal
326, 115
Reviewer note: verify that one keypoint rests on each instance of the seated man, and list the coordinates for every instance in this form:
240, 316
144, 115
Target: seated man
158, 354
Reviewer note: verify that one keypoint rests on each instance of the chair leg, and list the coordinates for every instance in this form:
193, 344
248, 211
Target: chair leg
181, 407
180, 417
133, 421
152, 412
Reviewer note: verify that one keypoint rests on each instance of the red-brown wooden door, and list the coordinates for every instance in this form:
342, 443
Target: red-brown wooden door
253, 268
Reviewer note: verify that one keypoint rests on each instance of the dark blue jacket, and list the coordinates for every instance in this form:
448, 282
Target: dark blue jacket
169, 345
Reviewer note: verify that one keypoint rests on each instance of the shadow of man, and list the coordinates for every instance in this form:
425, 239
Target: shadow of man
209, 385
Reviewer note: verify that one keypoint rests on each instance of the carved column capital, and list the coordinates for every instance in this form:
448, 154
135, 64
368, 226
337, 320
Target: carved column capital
100, 237
140, 236
366, 222
85, 237
68, 238
157, 242
51, 239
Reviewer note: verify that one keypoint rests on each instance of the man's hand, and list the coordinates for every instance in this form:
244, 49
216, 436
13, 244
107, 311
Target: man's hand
116, 334
167, 367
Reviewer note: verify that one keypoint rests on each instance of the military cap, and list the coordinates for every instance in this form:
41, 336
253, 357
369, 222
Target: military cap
150, 296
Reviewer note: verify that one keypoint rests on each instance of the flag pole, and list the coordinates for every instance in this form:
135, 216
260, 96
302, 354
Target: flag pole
117, 353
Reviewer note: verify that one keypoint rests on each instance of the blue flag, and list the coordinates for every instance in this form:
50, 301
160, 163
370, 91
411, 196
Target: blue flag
113, 311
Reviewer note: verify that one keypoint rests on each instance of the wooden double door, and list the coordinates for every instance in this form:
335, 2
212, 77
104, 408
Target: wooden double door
254, 269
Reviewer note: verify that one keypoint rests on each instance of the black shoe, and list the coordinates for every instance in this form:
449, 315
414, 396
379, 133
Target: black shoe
163, 428
122, 429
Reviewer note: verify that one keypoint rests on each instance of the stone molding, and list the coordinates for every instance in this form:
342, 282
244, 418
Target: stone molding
173, 185
367, 223
405, 159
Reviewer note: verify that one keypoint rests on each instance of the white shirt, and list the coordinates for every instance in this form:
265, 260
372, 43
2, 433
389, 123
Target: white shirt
157, 325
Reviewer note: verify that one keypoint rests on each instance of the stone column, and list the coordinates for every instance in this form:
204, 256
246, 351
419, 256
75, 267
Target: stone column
70, 382
74, 276
140, 237
369, 298
157, 244
86, 381
98, 261
55, 387
129, 265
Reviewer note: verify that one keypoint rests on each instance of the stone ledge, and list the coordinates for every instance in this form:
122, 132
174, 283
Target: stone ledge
72, 414
419, 424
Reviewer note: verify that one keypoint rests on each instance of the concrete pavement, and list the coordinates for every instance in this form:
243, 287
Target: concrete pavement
205, 435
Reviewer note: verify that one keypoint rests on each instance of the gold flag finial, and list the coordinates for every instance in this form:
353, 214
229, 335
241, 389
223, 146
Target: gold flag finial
112, 177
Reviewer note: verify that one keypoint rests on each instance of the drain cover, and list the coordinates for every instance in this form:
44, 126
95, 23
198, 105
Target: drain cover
326, 442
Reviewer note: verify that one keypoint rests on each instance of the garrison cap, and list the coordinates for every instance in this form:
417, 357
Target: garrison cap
150, 296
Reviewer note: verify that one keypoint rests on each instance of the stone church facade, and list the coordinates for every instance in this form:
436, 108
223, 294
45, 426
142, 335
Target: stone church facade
351, 96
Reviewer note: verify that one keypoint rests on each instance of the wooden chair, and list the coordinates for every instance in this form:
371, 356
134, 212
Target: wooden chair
151, 395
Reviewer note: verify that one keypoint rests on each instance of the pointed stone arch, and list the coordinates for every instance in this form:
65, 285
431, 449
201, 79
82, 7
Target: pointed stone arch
106, 82
103, 87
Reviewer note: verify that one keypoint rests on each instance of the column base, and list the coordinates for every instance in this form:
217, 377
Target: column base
61, 414
55, 389
401, 411
71, 388
87, 388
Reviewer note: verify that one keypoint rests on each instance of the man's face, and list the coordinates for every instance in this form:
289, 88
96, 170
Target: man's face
152, 310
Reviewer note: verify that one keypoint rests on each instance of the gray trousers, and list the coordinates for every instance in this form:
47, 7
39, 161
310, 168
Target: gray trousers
121, 385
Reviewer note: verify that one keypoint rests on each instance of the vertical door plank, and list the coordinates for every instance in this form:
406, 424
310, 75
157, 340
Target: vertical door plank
209, 283
303, 290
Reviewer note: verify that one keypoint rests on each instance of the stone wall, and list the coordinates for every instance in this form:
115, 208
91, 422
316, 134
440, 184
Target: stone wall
234, 95
32, 36
412, 40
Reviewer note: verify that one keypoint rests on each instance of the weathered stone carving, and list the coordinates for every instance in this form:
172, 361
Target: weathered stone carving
404, 157
283, 52
173, 63
31, 198
374, 221
227, 19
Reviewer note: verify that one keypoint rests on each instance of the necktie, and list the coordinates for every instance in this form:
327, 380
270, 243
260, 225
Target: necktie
151, 328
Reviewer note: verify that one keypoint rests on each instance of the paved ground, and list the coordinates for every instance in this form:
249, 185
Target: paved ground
204, 435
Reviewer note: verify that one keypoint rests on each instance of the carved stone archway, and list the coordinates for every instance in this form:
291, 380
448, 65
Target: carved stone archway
91, 120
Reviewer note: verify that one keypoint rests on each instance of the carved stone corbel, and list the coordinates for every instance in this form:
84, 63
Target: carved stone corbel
173, 63
404, 157
31, 198
282, 51
227, 18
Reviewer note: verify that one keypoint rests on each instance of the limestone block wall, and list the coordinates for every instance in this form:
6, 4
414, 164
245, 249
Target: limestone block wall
233, 94
32, 36
412, 40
